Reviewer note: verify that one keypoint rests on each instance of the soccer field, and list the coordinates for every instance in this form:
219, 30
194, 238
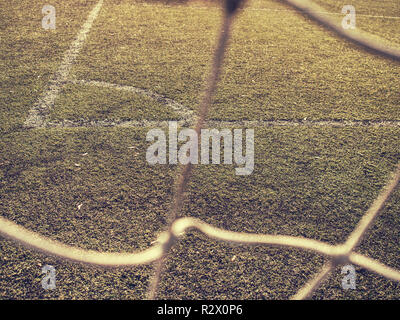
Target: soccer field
77, 102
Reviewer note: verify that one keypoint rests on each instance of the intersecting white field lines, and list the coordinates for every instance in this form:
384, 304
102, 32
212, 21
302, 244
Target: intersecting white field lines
337, 254
38, 116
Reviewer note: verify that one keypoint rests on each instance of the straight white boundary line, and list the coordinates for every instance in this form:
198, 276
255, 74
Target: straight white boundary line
38, 113
323, 12
285, 10
85, 123
187, 116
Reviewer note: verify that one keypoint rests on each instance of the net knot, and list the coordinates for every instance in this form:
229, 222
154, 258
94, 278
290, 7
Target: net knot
232, 5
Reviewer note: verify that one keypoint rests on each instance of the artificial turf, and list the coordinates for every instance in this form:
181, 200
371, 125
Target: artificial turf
92, 187
94, 103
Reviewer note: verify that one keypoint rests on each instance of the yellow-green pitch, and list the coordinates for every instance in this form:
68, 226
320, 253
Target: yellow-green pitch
91, 187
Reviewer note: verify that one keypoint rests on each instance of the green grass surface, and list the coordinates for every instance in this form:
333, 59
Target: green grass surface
29, 55
271, 72
310, 182
315, 183
93, 103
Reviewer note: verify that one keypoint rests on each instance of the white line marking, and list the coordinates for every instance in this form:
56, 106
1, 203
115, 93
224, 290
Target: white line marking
323, 12
184, 112
37, 115
279, 10
304, 123
83, 123
187, 117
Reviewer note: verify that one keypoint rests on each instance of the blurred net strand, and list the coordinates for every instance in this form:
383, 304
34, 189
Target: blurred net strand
345, 251
366, 41
315, 12
336, 254
205, 103
307, 290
